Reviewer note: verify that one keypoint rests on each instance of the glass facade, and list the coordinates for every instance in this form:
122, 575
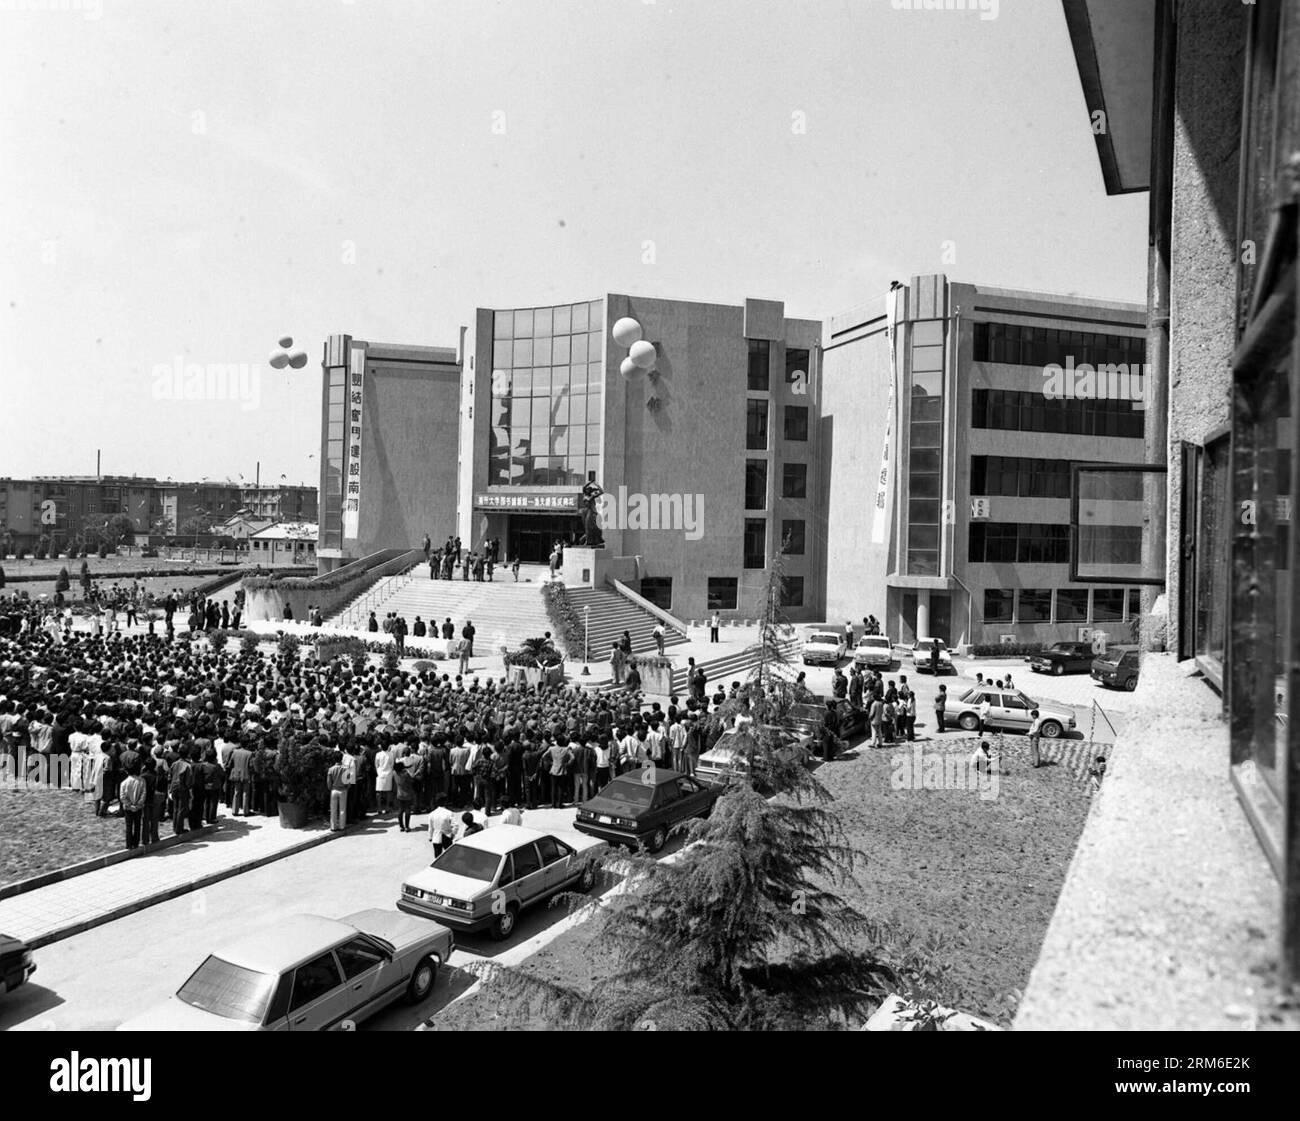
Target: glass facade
925, 448
1015, 410
1018, 345
337, 423
548, 380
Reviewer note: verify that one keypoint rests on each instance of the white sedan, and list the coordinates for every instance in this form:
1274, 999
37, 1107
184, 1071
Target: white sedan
824, 646
923, 655
874, 650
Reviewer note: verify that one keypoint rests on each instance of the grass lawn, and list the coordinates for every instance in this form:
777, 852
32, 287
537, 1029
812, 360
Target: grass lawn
973, 874
43, 829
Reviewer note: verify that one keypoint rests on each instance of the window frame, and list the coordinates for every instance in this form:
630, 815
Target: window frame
1078, 469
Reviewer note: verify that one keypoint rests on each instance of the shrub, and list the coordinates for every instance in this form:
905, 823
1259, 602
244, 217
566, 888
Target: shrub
301, 769
63, 583
564, 617
288, 644
391, 659
425, 666
1009, 650
248, 643
217, 639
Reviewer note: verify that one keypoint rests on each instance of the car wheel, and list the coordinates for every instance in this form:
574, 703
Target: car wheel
422, 980
1131, 684
1057, 670
588, 878
1051, 729
504, 924
969, 721
658, 839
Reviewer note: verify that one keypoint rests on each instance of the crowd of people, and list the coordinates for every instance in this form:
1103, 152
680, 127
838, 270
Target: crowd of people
479, 563
200, 727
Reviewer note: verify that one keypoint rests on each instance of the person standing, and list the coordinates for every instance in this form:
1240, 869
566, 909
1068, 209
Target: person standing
427, 546
714, 623
467, 633
514, 567
559, 756
448, 629
617, 659
1035, 734
384, 767
133, 794
405, 795
180, 779
241, 774
876, 714
463, 649
659, 638
441, 828
940, 704
336, 779
984, 710
583, 768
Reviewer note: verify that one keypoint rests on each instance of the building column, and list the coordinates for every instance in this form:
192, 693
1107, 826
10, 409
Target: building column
922, 613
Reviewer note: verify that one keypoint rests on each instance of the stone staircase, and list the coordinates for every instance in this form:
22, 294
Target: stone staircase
724, 669
503, 612
610, 615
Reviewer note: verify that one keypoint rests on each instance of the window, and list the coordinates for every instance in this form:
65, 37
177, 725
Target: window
794, 480
723, 593
1108, 605
1008, 542
658, 590
1107, 515
756, 484
1019, 477
526, 861
549, 850
313, 980
796, 422
357, 956
1035, 605
755, 543
792, 591
998, 605
759, 362
792, 537
796, 366
1072, 605
1023, 411
756, 425
1018, 345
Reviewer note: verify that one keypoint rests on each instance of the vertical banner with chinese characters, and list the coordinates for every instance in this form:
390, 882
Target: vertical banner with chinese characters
352, 488
880, 524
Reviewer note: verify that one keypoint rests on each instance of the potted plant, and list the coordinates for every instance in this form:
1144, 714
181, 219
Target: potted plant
301, 770
518, 664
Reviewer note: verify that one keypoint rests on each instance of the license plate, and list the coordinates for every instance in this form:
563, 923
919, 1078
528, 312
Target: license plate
605, 819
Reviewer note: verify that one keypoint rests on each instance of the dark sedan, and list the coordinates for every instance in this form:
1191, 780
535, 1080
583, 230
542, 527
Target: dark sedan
806, 722
16, 963
641, 807
1064, 657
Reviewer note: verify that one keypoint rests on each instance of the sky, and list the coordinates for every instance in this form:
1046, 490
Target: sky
183, 183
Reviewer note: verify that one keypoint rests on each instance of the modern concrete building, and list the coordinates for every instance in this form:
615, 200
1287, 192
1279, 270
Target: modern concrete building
697, 420
390, 419
952, 417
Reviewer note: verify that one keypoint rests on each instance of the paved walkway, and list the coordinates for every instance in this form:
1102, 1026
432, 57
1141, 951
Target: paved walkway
76, 904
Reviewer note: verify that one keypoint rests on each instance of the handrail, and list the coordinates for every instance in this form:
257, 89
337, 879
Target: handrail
646, 605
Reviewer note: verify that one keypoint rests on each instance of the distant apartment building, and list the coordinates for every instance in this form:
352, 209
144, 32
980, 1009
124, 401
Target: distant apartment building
389, 433
953, 418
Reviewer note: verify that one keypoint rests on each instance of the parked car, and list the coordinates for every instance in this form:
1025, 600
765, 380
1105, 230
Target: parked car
486, 879
874, 650
729, 757
1117, 668
824, 647
806, 721
1064, 657
16, 963
307, 973
922, 655
1009, 710
641, 807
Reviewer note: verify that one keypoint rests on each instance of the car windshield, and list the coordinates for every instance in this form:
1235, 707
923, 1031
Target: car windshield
229, 991
825, 639
873, 640
465, 860
1112, 658
630, 792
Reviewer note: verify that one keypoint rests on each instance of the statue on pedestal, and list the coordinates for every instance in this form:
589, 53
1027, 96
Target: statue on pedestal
592, 537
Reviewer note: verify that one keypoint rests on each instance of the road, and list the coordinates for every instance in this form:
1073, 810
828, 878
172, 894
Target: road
96, 980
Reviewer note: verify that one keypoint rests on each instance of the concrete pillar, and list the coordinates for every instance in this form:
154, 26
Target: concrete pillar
923, 613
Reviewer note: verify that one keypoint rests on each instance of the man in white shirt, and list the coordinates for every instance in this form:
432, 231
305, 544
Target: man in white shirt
442, 828
1035, 731
677, 743
714, 623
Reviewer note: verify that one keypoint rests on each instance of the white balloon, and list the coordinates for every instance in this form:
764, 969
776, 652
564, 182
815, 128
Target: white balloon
279, 359
297, 358
628, 368
626, 331
643, 354
286, 342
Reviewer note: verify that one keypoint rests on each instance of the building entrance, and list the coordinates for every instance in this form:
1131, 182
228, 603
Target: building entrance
531, 537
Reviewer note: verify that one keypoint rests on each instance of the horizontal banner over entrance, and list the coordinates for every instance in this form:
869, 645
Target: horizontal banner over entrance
527, 501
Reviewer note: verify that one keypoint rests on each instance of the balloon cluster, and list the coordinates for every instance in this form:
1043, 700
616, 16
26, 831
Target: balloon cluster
288, 355
641, 355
